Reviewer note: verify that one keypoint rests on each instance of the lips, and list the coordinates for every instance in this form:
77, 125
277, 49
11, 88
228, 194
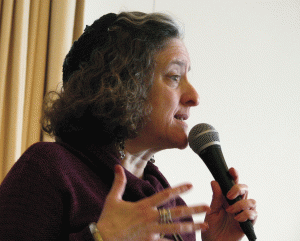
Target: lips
181, 117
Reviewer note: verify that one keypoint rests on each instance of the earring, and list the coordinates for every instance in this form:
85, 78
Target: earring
120, 147
152, 159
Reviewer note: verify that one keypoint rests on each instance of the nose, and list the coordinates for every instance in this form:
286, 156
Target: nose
190, 96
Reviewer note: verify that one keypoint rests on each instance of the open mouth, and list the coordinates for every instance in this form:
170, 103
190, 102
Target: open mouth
181, 117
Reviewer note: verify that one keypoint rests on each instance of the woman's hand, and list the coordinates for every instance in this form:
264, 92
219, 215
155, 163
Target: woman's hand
121, 220
222, 220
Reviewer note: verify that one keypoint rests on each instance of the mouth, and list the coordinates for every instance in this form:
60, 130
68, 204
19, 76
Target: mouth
181, 117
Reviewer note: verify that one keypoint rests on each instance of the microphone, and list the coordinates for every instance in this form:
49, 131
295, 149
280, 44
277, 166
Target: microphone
204, 140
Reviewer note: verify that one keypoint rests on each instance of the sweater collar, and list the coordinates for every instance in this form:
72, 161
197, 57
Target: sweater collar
103, 157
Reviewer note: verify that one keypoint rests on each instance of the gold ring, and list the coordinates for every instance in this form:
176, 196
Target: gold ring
165, 215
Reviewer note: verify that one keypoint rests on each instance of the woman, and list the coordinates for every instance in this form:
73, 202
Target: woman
126, 96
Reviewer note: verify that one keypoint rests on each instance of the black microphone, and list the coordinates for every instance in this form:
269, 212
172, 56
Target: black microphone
204, 140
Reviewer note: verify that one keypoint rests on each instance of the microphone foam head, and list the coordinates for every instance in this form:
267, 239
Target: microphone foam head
201, 136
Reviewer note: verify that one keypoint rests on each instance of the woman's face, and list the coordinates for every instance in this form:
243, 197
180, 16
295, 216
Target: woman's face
171, 97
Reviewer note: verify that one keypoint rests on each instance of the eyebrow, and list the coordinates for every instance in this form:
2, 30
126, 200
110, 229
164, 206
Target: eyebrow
180, 63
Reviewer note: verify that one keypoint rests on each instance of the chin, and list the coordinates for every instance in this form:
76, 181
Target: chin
181, 143
183, 146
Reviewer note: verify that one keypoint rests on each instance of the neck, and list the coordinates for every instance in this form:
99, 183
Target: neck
136, 158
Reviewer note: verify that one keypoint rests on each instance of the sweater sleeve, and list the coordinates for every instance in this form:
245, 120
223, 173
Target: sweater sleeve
31, 208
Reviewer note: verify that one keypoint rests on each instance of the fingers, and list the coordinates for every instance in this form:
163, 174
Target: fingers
184, 227
247, 214
168, 215
238, 190
167, 194
233, 172
246, 209
184, 211
218, 198
217, 192
242, 205
119, 184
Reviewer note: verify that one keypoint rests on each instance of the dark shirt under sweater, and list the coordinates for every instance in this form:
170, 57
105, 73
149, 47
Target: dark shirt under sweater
54, 191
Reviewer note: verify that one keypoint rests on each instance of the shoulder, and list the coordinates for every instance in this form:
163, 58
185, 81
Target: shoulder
35, 166
57, 164
47, 153
46, 149
48, 159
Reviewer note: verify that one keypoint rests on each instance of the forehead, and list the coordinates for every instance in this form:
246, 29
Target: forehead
174, 53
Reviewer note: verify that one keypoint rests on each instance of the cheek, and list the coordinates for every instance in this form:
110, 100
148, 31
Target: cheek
161, 120
164, 104
166, 112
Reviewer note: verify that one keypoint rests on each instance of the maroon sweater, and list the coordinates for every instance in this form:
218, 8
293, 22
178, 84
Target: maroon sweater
54, 191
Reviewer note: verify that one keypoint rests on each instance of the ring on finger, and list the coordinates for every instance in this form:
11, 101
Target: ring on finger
165, 215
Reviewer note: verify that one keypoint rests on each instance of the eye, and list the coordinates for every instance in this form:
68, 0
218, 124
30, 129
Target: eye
175, 78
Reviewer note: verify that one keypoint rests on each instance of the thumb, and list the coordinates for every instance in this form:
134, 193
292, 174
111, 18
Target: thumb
218, 198
119, 184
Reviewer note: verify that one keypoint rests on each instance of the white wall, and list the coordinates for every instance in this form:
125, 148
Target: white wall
246, 67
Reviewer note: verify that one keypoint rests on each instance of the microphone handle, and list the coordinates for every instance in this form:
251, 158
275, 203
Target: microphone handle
214, 160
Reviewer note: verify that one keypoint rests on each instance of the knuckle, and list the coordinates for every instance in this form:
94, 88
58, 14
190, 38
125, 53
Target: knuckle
253, 202
247, 212
146, 213
242, 187
167, 194
179, 212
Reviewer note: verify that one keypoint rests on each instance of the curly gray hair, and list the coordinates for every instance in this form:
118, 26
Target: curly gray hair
107, 77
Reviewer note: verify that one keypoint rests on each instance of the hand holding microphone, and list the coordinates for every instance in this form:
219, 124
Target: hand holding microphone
204, 140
